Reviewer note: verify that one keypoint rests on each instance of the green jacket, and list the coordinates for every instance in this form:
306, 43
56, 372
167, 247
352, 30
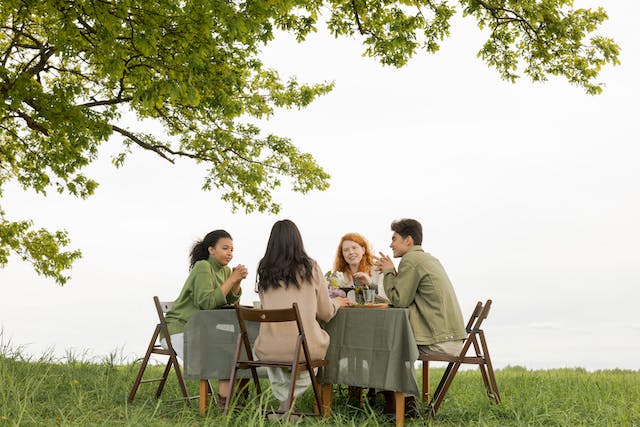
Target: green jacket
422, 285
201, 291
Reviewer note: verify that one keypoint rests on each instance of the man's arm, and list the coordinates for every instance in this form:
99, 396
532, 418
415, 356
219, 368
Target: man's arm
401, 287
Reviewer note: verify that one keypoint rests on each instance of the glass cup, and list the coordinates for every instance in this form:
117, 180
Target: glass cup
369, 296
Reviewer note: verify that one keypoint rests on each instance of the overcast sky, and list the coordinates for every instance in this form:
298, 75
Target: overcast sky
528, 194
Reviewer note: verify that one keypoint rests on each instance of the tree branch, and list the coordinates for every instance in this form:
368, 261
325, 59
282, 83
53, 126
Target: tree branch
33, 124
361, 29
155, 148
106, 102
492, 10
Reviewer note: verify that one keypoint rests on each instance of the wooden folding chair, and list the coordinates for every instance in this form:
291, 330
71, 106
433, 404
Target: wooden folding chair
296, 365
155, 348
474, 338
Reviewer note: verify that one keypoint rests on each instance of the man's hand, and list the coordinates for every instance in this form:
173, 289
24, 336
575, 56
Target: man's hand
383, 262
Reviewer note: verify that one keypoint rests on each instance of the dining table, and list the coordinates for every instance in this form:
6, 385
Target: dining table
370, 347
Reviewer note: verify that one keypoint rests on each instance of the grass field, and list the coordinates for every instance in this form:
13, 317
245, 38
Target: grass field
79, 392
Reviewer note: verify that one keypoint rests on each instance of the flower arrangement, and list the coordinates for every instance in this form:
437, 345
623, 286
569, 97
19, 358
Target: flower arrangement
336, 280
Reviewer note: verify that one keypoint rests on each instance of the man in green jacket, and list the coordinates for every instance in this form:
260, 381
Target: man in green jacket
422, 285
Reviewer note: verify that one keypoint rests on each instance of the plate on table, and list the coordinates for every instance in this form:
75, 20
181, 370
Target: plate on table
377, 305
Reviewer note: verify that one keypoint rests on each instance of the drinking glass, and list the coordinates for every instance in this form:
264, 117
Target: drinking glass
369, 296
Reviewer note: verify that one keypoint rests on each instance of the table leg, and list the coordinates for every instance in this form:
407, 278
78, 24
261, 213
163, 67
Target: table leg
399, 398
204, 388
326, 399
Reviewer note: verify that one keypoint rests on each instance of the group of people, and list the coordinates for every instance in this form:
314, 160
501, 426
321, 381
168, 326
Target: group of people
287, 274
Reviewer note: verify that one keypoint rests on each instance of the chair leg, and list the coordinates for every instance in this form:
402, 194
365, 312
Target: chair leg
494, 384
256, 381
136, 382
292, 388
426, 380
443, 390
143, 365
317, 392
234, 373
183, 386
441, 383
482, 367
491, 383
165, 375
294, 375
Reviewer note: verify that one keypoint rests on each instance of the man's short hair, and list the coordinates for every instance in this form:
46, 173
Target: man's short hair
408, 227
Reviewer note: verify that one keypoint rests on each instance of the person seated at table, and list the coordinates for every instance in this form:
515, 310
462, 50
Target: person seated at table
422, 285
211, 284
286, 274
353, 264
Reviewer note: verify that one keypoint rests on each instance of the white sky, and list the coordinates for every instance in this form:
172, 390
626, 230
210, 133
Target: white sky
528, 194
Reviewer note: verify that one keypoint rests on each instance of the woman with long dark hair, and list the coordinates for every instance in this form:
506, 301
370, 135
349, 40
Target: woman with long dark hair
286, 274
211, 284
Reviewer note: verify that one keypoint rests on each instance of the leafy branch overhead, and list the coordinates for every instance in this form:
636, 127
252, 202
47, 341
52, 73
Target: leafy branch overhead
70, 71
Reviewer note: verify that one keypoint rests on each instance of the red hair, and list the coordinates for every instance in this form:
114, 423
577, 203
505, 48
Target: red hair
365, 263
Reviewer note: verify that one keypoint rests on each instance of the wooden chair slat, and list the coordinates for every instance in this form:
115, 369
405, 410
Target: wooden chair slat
247, 314
154, 348
476, 340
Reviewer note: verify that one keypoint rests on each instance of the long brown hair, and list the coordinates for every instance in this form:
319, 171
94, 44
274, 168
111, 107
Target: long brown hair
365, 263
285, 260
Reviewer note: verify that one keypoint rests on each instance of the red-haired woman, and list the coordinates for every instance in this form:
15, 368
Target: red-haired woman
353, 266
353, 263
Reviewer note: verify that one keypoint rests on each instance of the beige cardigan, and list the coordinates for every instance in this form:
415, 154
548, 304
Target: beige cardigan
276, 341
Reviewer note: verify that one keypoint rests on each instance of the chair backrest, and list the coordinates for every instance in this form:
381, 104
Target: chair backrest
480, 313
474, 316
162, 307
248, 314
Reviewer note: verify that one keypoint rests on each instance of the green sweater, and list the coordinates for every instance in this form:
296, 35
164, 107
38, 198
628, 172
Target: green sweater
201, 291
422, 285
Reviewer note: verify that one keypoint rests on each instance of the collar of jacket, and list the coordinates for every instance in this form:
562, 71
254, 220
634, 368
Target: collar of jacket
215, 264
414, 248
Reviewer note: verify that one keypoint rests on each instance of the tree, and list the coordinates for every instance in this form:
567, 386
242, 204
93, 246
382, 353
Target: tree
70, 69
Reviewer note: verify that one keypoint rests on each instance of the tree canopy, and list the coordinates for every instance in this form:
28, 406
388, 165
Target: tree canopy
70, 70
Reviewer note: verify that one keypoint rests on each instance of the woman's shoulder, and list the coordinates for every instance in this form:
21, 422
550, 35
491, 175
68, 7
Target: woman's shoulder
202, 265
316, 267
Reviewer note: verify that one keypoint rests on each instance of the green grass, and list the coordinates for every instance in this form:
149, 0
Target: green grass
76, 391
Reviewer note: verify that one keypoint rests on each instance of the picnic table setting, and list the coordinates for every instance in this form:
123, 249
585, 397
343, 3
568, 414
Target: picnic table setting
311, 331
383, 360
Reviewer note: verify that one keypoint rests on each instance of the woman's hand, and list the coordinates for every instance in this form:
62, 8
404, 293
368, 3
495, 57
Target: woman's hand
344, 302
363, 278
232, 284
238, 273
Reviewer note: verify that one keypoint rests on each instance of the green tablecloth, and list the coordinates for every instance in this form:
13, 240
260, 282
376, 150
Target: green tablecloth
371, 347
210, 339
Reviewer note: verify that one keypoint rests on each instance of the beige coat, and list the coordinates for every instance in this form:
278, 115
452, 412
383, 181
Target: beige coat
276, 341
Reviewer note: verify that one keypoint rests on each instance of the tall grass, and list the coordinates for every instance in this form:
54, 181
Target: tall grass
76, 391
